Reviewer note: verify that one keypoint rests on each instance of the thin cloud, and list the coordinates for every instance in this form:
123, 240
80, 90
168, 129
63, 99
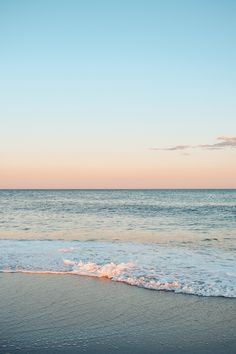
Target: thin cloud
224, 142
174, 148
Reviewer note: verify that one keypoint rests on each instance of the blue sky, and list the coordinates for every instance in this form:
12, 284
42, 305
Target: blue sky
99, 78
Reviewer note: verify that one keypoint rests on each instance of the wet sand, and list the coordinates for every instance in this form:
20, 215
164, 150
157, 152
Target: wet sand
72, 314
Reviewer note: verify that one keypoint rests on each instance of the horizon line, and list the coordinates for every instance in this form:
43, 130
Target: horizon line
104, 189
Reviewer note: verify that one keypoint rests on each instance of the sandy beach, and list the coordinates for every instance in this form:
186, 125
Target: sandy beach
74, 314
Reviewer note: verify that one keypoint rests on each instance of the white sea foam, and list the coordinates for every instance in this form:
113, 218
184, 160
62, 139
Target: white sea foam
65, 250
68, 262
205, 271
110, 270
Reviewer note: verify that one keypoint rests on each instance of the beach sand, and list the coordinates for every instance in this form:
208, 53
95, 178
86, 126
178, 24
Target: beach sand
73, 314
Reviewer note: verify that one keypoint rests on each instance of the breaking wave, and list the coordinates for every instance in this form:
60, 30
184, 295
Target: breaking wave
181, 269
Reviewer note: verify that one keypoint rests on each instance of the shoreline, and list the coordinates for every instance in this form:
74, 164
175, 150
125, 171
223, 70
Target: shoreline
101, 278
45, 314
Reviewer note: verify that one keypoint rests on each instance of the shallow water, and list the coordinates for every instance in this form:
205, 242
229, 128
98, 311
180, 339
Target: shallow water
177, 240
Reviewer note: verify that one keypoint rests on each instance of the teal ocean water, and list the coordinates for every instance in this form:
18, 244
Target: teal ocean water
174, 240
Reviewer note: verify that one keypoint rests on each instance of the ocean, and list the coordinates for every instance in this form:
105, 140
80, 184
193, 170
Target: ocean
182, 241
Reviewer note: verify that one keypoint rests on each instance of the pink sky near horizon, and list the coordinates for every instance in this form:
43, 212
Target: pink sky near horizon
144, 169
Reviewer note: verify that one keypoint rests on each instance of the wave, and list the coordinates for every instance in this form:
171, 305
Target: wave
110, 270
198, 271
120, 273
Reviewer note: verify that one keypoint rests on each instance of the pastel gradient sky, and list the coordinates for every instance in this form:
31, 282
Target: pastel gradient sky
105, 94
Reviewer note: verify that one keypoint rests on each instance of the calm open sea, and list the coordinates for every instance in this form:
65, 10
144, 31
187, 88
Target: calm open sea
176, 240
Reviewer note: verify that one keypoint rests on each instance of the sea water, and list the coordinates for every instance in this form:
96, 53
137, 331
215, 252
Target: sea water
174, 240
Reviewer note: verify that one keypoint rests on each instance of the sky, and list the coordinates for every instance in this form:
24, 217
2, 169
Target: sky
117, 94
